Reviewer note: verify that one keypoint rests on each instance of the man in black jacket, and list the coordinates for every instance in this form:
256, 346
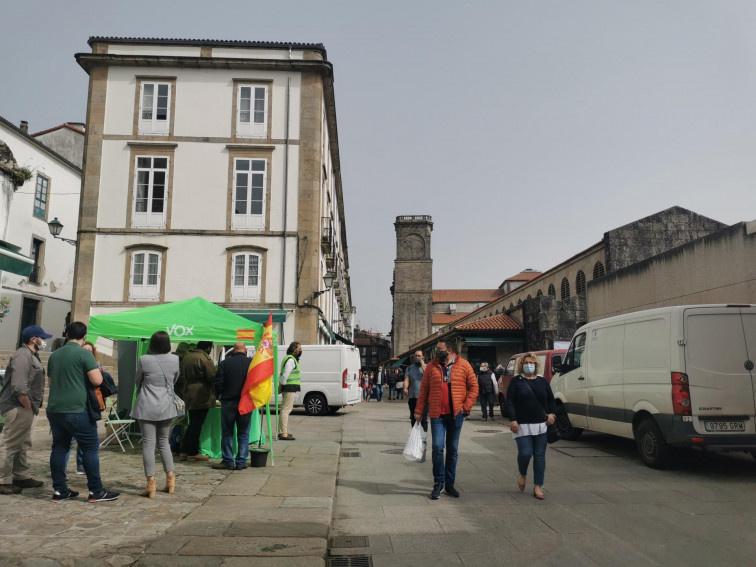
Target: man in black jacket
229, 381
487, 390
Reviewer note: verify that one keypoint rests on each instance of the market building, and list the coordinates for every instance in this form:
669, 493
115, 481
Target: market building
212, 169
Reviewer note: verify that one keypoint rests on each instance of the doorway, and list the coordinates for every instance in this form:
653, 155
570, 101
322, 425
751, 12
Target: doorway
29, 313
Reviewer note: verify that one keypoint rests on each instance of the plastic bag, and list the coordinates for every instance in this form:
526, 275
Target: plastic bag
415, 448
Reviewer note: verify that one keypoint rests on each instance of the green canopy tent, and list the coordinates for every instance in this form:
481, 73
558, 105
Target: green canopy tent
191, 320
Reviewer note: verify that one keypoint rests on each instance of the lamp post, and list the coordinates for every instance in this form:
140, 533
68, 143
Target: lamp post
55, 227
328, 282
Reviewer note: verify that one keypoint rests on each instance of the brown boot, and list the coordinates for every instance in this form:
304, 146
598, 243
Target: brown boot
9, 489
170, 482
149, 492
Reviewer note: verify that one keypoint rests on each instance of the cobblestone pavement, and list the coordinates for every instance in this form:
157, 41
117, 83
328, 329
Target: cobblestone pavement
344, 477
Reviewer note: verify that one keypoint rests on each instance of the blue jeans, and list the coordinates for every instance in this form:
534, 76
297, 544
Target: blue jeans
378, 391
229, 417
445, 430
532, 446
67, 426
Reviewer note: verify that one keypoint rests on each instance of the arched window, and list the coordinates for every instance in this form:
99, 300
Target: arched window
552, 291
598, 270
530, 296
565, 289
580, 282
497, 311
519, 302
539, 293
511, 305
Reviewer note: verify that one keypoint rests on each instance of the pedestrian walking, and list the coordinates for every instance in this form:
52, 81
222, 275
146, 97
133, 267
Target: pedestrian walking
487, 390
413, 376
195, 387
289, 385
378, 382
391, 380
155, 379
531, 409
400, 383
20, 401
229, 382
69, 367
449, 389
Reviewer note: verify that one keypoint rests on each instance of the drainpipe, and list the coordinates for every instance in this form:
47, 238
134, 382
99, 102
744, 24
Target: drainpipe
286, 205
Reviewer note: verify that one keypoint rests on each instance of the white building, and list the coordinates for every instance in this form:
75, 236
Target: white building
52, 190
212, 169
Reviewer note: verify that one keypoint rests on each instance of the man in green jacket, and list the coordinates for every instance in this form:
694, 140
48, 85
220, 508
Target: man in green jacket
195, 387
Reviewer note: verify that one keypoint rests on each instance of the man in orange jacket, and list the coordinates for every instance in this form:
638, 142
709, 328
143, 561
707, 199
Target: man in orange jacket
449, 389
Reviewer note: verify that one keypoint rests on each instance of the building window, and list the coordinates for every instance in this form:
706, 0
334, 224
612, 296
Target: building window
565, 289
246, 277
154, 108
37, 255
539, 293
552, 291
144, 283
598, 270
250, 183
580, 282
252, 113
530, 296
150, 192
41, 196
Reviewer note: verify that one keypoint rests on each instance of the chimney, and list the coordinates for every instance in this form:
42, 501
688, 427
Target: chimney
24, 127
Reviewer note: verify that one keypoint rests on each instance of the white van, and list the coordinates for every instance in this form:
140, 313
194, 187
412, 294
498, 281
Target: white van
675, 376
330, 377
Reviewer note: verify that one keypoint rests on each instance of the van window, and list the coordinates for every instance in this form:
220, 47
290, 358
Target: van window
575, 353
509, 370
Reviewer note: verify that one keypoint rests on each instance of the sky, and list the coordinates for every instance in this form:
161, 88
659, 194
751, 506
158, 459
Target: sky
526, 129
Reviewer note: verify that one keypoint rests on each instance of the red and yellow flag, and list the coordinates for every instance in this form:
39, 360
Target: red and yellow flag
258, 387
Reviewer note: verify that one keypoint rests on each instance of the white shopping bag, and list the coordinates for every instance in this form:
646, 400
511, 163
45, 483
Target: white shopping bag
414, 450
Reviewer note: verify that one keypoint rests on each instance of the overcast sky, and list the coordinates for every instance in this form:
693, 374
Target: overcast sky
525, 128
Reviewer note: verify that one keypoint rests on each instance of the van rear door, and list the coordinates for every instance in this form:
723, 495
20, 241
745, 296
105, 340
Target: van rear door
722, 390
353, 394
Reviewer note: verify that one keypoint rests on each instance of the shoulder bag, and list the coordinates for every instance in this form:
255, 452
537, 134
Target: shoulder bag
178, 402
552, 433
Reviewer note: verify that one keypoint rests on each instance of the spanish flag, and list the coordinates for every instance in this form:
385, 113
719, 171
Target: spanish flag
258, 387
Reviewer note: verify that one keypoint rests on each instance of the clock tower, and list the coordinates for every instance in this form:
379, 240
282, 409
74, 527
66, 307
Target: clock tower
412, 290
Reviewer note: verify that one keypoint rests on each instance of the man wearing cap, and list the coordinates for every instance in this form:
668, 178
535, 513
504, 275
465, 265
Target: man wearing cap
20, 400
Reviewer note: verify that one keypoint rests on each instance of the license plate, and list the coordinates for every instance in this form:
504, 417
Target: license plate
724, 425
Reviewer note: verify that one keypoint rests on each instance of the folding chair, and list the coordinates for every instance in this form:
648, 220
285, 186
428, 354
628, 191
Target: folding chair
119, 427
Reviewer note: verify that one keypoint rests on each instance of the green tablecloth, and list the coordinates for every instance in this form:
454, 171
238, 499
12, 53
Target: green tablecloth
210, 438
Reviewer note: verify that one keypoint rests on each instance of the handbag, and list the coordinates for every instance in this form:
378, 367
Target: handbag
552, 433
178, 402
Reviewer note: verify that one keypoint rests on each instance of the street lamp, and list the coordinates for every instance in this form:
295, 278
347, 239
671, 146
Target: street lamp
55, 227
328, 282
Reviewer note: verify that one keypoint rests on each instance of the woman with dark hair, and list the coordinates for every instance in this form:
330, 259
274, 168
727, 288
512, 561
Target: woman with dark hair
156, 374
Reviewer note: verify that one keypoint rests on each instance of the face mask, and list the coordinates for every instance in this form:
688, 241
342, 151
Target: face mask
441, 356
529, 368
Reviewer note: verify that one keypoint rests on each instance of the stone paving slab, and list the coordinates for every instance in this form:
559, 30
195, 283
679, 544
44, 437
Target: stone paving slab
254, 546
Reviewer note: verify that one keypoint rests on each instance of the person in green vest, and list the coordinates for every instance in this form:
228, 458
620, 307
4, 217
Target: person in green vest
288, 386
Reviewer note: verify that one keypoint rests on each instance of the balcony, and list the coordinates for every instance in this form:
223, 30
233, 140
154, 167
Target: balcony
326, 235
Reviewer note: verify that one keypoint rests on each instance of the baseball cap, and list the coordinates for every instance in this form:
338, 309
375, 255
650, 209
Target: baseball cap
34, 331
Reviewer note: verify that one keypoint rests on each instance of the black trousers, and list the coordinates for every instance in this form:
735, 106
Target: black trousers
412, 402
190, 445
487, 400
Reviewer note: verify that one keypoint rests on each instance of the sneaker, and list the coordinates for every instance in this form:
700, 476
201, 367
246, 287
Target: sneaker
436, 492
451, 491
9, 489
80, 470
27, 483
66, 495
103, 496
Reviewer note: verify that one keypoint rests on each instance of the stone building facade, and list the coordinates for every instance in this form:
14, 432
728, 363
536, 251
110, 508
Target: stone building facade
212, 169
550, 307
412, 290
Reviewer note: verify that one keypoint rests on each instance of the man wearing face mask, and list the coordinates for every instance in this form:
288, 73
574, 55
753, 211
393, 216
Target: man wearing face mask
449, 389
413, 377
20, 400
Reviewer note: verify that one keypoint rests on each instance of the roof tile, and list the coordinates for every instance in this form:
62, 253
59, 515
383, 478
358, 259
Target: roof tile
501, 322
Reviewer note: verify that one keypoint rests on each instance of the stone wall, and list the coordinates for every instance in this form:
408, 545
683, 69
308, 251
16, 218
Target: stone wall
655, 234
545, 320
718, 268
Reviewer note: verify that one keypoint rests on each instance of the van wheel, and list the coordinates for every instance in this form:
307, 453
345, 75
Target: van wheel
564, 427
652, 447
315, 404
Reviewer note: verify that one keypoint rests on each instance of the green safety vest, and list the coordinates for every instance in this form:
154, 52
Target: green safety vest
295, 376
